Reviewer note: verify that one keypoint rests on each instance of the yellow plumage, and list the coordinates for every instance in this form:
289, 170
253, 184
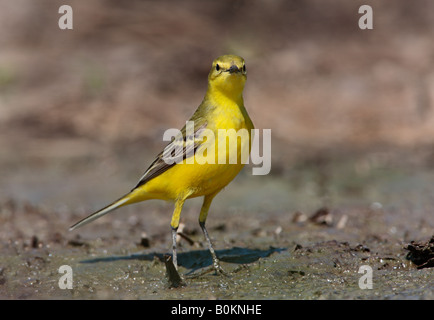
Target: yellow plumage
221, 108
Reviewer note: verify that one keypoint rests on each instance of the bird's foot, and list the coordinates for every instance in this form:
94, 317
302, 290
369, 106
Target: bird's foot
216, 268
219, 270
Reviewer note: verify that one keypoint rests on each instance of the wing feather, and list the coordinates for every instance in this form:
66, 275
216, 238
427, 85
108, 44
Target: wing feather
181, 147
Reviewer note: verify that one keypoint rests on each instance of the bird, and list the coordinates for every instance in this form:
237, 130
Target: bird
205, 160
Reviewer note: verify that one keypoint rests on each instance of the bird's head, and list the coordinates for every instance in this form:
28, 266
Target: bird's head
228, 75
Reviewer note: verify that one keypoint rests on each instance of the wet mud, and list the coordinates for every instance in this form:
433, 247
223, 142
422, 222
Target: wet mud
292, 246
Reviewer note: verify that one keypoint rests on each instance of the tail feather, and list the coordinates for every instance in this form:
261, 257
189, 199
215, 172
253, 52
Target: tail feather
100, 213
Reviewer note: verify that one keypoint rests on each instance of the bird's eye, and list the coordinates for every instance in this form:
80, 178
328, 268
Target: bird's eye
217, 67
244, 68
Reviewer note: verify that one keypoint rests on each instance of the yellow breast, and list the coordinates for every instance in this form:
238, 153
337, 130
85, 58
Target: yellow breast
216, 162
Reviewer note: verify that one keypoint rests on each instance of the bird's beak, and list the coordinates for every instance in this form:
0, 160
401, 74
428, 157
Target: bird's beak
233, 69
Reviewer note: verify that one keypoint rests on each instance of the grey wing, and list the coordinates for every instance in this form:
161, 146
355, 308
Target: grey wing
181, 147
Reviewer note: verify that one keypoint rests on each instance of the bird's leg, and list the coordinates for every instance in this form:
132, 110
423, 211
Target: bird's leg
215, 260
174, 255
174, 224
202, 218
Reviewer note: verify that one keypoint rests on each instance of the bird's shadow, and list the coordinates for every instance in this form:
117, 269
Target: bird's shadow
198, 259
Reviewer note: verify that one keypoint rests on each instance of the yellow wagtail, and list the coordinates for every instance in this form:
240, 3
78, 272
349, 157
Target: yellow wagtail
221, 108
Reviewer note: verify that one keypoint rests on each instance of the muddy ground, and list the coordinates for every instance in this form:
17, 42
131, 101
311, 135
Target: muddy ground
277, 237
83, 111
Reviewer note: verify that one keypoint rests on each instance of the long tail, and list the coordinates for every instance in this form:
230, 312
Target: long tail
118, 203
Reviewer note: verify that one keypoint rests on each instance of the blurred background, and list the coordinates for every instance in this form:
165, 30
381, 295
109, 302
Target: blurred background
83, 111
